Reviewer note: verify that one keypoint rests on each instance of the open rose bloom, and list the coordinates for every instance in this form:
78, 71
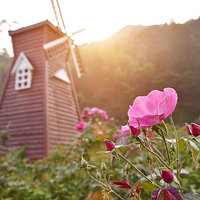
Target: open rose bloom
152, 109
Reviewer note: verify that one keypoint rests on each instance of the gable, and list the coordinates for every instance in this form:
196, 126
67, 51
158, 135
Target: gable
62, 75
23, 72
21, 63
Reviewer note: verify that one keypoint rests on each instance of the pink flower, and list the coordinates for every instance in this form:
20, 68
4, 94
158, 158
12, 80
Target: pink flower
81, 126
103, 114
112, 119
93, 111
193, 129
125, 129
167, 176
96, 110
152, 109
100, 132
109, 145
85, 113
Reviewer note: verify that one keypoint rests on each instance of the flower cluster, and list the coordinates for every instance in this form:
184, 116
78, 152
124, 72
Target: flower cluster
87, 112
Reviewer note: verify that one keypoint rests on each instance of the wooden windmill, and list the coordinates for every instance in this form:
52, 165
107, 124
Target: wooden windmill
39, 99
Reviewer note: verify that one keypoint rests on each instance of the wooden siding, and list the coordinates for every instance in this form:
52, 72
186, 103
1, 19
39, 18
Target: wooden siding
62, 109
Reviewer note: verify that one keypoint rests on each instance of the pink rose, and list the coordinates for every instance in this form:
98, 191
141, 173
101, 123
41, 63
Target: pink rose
112, 119
152, 109
81, 126
125, 129
85, 113
103, 114
93, 111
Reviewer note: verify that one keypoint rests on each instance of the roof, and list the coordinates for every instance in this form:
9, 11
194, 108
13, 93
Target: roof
38, 25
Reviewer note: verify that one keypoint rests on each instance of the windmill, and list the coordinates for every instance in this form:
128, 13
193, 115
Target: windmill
39, 98
73, 49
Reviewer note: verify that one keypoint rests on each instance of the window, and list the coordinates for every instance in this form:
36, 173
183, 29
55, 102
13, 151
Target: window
23, 79
23, 72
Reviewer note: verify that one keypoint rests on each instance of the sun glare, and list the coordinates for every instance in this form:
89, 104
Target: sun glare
102, 18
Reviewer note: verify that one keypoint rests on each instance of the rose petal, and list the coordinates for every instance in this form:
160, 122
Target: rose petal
125, 129
146, 121
171, 98
142, 105
157, 97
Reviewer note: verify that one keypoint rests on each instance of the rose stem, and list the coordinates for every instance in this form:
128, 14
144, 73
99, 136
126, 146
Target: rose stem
156, 155
105, 186
133, 166
177, 149
165, 143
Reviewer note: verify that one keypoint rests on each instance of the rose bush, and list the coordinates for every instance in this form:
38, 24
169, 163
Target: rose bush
164, 152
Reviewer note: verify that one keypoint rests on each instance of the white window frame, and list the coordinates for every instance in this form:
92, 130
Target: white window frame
23, 72
23, 79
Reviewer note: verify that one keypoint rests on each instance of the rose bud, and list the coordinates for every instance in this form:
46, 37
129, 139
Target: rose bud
103, 167
109, 145
195, 129
167, 176
134, 131
84, 163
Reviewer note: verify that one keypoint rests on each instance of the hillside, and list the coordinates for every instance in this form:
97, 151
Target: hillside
135, 61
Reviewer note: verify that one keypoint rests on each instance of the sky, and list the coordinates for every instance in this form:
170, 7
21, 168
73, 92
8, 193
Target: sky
100, 18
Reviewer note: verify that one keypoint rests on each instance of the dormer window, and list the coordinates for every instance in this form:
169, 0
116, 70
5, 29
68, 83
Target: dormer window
23, 72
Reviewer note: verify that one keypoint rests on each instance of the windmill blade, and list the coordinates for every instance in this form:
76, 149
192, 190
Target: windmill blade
75, 53
58, 15
77, 59
79, 31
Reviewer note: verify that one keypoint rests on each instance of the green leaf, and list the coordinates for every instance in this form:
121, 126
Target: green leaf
181, 144
148, 186
194, 146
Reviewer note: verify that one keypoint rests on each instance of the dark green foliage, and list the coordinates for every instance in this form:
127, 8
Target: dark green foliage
55, 177
5, 61
137, 60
